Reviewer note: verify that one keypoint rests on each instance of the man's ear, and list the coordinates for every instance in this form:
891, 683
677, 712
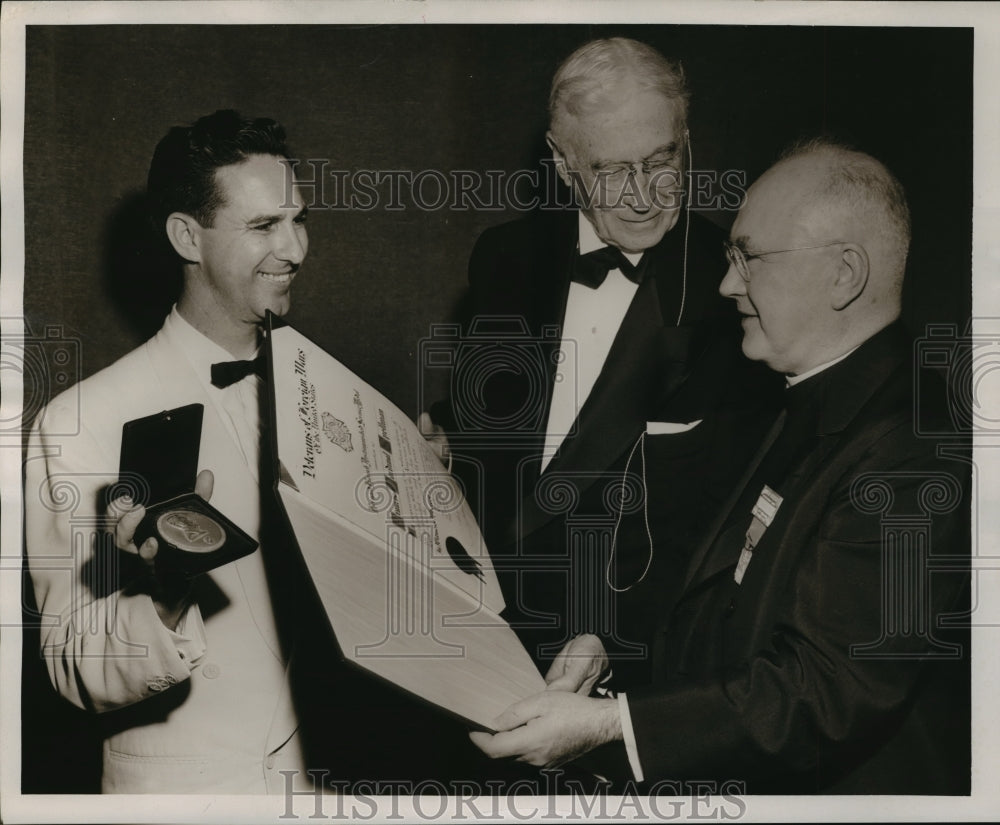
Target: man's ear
852, 276
560, 159
184, 233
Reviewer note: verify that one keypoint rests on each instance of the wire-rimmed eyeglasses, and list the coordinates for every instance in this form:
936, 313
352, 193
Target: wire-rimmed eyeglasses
739, 259
660, 173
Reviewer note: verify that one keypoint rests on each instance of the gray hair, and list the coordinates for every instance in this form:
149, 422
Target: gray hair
861, 185
588, 79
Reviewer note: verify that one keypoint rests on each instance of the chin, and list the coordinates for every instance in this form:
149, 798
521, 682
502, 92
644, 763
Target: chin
752, 348
278, 307
636, 237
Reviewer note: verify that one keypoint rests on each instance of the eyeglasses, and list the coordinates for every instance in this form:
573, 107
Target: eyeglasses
661, 173
738, 258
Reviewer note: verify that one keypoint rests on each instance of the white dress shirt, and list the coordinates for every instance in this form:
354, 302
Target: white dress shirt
237, 404
238, 409
592, 320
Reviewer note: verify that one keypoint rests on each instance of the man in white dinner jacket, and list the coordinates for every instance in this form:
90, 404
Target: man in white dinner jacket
192, 682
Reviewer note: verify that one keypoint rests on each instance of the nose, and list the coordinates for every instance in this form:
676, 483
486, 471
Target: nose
636, 192
732, 286
292, 243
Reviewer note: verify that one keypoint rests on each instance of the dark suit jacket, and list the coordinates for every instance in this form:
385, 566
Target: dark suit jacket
549, 533
826, 670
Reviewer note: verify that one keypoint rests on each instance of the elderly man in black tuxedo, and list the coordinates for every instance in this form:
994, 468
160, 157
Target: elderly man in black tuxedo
586, 325
806, 651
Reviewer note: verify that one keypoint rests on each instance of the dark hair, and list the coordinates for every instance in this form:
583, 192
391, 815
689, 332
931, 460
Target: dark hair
182, 172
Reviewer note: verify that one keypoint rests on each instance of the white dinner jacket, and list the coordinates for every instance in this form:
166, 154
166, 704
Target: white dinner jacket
183, 721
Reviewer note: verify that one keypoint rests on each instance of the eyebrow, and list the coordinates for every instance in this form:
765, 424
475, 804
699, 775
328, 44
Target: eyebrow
265, 218
665, 149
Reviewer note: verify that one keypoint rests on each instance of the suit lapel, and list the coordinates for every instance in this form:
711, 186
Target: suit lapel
549, 267
667, 267
702, 566
647, 360
555, 269
615, 411
237, 495
713, 559
846, 388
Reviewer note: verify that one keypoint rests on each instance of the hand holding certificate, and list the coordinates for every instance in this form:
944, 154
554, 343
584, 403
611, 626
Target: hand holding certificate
393, 549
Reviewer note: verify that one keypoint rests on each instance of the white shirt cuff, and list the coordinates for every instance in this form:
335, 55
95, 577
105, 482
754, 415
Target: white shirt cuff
629, 736
189, 637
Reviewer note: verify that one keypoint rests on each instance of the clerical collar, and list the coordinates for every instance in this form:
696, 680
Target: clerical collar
792, 380
589, 242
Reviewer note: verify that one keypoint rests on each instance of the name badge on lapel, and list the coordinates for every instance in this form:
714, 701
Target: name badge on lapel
764, 511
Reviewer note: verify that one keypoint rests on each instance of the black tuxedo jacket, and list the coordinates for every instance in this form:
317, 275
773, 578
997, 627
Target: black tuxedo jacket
675, 355
827, 669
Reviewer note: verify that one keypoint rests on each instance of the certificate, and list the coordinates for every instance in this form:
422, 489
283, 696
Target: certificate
390, 542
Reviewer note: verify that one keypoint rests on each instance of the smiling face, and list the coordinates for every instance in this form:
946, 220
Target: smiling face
246, 261
643, 128
786, 304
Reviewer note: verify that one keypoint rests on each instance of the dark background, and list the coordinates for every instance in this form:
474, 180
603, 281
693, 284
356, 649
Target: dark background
98, 98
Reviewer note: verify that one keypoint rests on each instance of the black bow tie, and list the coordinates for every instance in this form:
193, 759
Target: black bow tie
591, 269
226, 373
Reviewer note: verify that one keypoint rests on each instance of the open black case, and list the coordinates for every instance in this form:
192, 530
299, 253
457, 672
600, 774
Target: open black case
159, 466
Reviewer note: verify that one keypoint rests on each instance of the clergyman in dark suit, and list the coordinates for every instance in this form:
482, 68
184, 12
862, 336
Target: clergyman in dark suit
587, 324
810, 650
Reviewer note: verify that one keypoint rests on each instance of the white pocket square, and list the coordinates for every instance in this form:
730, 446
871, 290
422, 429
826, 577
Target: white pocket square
669, 427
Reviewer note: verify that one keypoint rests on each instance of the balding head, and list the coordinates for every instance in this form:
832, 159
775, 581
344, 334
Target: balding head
855, 192
825, 232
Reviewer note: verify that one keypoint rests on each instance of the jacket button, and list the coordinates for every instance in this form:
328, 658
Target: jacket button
156, 687
211, 670
269, 762
731, 608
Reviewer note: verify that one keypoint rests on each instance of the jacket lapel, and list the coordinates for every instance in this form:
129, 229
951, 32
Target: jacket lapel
237, 495
647, 360
615, 411
848, 387
714, 557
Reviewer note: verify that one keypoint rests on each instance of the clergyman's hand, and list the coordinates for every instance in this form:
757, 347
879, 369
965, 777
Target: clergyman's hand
578, 666
551, 728
171, 598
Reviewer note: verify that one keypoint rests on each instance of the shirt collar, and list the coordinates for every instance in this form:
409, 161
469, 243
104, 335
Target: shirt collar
200, 350
589, 241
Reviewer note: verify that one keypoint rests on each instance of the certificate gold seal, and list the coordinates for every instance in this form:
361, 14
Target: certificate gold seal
190, 530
